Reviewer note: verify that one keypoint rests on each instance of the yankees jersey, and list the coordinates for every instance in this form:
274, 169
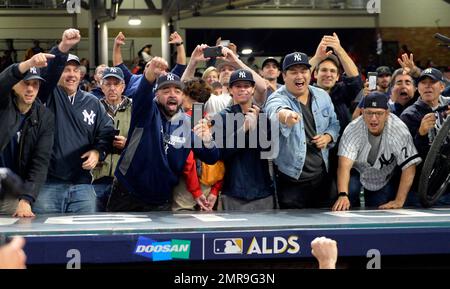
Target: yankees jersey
396, 149
82, 124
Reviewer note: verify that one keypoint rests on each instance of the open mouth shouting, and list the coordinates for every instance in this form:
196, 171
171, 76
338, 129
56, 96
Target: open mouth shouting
404, 94
172, 104
299, 84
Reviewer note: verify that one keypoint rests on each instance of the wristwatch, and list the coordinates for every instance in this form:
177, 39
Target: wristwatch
342, 194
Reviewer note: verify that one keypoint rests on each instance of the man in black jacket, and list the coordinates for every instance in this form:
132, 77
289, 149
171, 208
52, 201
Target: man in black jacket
27, 128
424, 122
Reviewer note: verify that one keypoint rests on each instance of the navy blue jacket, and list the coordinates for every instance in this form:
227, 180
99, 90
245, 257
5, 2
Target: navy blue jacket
246, 174
412, 116
97, 92
156, 149
80, 127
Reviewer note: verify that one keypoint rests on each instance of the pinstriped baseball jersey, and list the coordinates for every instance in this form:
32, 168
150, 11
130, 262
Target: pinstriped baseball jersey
396, 149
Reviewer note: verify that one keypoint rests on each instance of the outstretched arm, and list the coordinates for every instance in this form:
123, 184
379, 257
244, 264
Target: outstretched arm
343, 173
406, 181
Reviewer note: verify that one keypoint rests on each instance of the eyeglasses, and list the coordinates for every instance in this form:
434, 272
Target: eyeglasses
111, 84
377, 114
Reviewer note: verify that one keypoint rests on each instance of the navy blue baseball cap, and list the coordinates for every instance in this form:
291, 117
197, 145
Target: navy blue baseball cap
33, 73
432, 73
115, 72
169, 79
295, 58
74, 58
376, 99
241, 75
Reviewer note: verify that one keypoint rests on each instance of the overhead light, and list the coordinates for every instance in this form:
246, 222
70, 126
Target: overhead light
134, 20
247, 51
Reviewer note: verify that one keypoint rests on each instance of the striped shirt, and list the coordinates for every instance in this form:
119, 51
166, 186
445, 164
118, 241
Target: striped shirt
396, 149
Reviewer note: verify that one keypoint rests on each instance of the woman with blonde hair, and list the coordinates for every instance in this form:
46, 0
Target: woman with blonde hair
211, 76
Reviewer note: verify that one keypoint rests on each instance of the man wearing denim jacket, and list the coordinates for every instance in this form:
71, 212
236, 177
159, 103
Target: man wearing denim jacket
308, 128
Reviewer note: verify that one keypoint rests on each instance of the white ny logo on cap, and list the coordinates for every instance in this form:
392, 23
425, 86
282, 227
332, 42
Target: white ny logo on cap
242, 74
170, 77
428, 70
374, 104
297, 57
113, 69
33, 70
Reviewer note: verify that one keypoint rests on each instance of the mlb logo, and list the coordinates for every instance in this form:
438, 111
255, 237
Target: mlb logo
228, 246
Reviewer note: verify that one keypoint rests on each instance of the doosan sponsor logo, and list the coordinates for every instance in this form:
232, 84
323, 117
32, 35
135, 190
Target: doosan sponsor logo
163, 250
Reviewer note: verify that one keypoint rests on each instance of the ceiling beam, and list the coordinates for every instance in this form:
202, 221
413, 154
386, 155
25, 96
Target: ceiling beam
139, 12
221, 7
150, 4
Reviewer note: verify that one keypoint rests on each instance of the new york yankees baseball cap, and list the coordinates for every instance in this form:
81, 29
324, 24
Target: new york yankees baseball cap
241, 75
432, 73
73, 57
376, 99
33, 73
295, 58
169, 79
115, 72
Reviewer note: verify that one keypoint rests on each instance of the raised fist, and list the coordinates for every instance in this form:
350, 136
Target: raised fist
120, 39
70, 38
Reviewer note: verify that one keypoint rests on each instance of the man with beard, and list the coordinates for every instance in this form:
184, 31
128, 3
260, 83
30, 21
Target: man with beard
271, 72
159, 141
375, 145
384, 75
